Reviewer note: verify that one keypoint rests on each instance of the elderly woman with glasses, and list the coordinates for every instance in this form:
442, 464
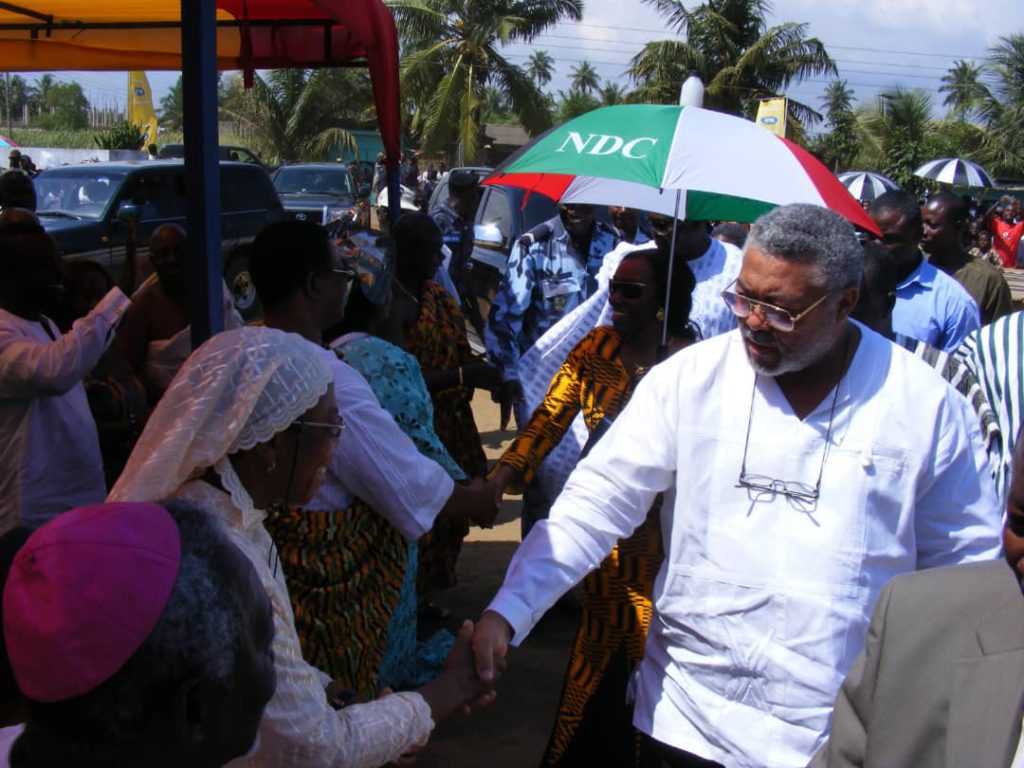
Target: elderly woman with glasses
249, 421
594, 723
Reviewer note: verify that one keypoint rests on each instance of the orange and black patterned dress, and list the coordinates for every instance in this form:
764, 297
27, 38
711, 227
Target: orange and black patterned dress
344, 572
594, 723
438, 341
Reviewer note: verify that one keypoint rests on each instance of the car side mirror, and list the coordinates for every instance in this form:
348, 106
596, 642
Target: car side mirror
489, 236
128, 211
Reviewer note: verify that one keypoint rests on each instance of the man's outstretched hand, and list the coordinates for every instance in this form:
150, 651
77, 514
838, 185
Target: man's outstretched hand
490, 646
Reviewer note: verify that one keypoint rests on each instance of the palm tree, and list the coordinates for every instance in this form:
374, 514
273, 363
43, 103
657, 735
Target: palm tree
963, 88
612, 93
838, 98
39, 93
541, 68
729, 44
1003, 112
896, 130
841, 144
573, 104
451, 56
172, 108
584, 78
294, 115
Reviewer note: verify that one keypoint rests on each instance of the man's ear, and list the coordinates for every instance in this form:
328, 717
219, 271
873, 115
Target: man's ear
311, 285
194, 704
267, 452
847, 301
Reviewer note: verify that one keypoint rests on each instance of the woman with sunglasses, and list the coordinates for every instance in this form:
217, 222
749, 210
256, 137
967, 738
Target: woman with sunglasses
594, 722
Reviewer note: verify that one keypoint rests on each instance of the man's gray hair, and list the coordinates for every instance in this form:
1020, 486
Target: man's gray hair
810, 234
196, 638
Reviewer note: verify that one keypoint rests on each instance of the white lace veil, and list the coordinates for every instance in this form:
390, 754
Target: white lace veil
237, 390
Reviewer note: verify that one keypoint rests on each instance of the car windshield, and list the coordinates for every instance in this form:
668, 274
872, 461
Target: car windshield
313, 181
77, 191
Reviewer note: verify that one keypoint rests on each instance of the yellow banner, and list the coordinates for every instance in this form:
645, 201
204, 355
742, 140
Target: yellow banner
140, 106
771, 115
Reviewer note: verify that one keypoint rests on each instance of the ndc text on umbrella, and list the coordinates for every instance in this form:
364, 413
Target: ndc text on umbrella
606, 144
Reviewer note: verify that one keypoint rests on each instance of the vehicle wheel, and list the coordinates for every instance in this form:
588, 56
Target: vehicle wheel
242, 288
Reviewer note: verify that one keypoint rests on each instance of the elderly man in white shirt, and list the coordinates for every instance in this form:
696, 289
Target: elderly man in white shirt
49, 449
805, 461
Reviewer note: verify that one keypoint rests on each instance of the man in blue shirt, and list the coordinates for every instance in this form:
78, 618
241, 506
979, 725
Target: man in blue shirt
930, 305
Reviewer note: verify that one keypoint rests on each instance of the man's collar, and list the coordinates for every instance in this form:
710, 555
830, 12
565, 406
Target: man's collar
923, 275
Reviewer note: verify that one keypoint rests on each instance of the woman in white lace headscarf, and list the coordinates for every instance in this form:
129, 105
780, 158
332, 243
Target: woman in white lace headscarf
250, 420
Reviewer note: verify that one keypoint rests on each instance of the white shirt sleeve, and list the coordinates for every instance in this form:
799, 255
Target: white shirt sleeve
606, 498
379, 464
299, 729
957, 516
30, 368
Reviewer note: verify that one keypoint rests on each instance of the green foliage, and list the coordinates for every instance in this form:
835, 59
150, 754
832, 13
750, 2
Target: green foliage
963, 88
573, 104
451, 56
541, 68
295, 115
584, 78
840, 146
172, 108
15, 96
729, 44
121, 135
63, 106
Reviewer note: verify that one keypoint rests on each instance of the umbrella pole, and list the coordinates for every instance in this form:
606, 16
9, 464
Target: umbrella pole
663, 347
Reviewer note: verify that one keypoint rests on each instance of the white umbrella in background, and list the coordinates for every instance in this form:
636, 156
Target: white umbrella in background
955, 171
867, 185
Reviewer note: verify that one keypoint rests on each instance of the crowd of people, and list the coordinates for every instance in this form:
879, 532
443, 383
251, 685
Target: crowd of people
779, 458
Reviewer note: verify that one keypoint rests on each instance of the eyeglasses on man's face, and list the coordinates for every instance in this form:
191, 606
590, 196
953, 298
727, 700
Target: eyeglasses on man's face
347, 274
334, 428
778, 318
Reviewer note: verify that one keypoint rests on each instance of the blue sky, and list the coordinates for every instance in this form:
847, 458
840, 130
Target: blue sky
875, 43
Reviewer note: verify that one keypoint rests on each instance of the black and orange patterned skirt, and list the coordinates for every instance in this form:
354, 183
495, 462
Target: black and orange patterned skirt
344, 572
594, 723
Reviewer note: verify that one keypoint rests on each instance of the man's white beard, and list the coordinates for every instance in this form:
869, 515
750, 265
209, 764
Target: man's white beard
790, 361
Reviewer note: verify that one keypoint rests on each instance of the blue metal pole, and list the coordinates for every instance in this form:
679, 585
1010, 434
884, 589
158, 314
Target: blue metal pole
202, 168
394, 196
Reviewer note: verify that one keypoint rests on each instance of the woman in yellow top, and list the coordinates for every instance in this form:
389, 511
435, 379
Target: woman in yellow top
594, 723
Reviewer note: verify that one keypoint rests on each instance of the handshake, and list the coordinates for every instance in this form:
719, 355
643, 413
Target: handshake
476, 661
480, 499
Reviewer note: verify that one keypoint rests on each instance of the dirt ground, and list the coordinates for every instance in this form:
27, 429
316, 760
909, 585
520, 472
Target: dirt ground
513, 732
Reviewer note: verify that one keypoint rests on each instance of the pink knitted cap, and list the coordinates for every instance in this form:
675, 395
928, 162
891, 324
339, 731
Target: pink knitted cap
84, 593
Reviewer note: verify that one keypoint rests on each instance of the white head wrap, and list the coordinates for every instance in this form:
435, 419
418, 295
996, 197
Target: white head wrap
237, 390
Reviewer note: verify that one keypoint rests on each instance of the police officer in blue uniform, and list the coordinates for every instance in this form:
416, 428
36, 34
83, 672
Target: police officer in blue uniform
455, 220
551, 272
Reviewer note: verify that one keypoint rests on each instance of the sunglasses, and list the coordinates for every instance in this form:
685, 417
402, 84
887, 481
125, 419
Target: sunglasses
778, 318
626, 289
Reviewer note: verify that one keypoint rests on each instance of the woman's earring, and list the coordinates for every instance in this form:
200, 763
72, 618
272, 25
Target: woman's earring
660, 315
272, 467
